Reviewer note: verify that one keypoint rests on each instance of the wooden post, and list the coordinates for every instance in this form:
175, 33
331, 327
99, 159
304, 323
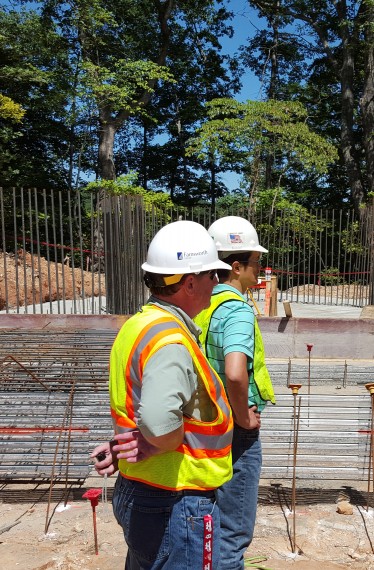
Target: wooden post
267, 291
273, 296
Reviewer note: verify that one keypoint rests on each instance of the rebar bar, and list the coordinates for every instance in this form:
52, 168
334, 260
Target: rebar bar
68, 407
370, 388
296, 418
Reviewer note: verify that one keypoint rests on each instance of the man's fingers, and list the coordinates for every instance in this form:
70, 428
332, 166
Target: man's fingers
125, 454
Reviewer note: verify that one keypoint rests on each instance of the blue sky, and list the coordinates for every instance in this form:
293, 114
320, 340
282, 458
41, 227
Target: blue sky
245, 24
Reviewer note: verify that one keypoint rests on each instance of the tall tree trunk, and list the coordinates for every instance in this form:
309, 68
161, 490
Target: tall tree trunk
367, 99
348, 30
347, 121
107, 170
110, 123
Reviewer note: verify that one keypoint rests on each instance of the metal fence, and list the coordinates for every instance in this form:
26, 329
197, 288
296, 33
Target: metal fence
71, 252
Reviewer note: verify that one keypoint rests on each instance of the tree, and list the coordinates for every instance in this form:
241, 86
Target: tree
240, 135
34, 74
342, 32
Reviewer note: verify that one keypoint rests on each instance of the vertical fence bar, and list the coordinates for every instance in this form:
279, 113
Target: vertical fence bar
339, 263
314, 245
369, 242
370, 229
48, 257
23, 214
37, 232
72, 247
31, 233
345, 263
62, 251
305, 279
98, 255
351, 240
57, 278
359, 262
287, 258
78, 208
271, 255
3, 237
15, 236
331, 264
91, 254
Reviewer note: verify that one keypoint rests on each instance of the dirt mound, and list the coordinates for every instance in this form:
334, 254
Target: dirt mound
26, 279
352, 291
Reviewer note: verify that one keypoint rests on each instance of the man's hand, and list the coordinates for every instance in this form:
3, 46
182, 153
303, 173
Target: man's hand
134, 448
252, 421
105, 462
254, 418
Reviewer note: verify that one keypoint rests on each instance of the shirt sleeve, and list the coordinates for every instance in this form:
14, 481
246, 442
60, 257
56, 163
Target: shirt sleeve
168, 385
238, 330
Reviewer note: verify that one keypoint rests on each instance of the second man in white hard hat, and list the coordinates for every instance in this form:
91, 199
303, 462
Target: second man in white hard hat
233, 345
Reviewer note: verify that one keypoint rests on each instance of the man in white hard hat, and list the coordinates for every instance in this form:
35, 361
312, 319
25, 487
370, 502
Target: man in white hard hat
232, 342
162, 386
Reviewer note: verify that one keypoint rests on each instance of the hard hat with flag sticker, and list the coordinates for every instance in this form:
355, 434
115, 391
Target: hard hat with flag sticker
232, 234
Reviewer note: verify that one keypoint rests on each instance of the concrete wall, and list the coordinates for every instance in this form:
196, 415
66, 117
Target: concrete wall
283, 337
331, 338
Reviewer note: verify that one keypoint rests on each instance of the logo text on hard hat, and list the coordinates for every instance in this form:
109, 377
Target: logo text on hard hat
235, 238
188, 254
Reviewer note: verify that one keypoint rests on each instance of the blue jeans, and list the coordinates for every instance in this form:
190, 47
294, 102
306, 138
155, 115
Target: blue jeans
237, 499
164, 529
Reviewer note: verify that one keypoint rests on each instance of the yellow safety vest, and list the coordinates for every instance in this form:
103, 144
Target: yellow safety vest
260, 372
203, 460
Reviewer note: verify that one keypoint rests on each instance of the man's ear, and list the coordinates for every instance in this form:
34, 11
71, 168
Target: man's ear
189, 285
235, 267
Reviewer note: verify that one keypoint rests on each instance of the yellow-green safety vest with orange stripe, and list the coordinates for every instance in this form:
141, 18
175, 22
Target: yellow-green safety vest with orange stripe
203, 460
260, 372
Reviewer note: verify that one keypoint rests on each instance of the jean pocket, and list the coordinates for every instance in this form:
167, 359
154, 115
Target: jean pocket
196, 511
146, 530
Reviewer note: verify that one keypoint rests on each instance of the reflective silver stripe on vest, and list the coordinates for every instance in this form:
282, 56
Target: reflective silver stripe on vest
198, 441
194, 441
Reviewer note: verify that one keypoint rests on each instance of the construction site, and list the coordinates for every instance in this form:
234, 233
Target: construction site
316, 499
62, 303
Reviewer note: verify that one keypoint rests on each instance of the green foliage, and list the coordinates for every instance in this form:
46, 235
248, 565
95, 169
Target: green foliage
126, 185
330, 276
119, 88
244, 133
352, 239
10, 110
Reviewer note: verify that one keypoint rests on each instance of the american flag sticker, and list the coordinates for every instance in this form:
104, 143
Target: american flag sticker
235, 238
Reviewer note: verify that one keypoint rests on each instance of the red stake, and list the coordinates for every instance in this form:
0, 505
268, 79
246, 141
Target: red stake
93, 495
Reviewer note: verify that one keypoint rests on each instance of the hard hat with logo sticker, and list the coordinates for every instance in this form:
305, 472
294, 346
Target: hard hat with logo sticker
182, 247
232, 234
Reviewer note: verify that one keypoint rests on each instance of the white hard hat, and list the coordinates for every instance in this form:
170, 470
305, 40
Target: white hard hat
232, 234
182, 247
